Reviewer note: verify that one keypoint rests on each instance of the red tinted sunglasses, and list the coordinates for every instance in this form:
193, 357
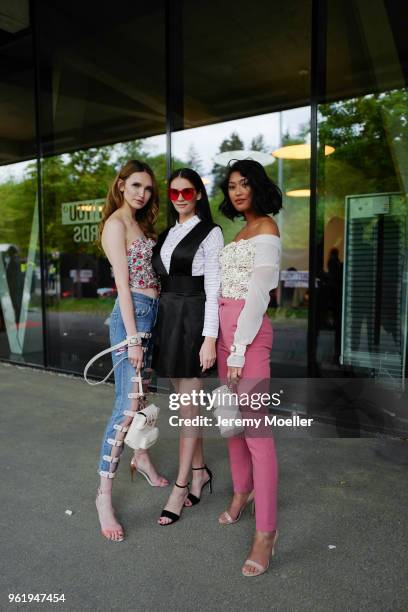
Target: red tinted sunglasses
187, 193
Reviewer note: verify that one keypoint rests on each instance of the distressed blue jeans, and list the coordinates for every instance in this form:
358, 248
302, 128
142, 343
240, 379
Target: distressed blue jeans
125, 407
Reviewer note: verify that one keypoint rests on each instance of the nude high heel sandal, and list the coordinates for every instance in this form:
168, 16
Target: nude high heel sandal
259, 569
228, 520
133, 467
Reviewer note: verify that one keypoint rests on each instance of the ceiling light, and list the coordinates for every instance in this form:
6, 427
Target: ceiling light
298, 151
298, 193
224, 158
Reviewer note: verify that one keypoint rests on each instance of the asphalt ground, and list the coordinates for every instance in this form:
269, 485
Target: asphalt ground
342, 518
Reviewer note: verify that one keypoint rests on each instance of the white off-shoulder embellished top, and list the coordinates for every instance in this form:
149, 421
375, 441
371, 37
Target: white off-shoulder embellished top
249, 270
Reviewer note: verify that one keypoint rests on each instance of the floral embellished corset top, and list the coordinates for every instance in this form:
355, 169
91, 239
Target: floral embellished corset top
141, 273
237, 262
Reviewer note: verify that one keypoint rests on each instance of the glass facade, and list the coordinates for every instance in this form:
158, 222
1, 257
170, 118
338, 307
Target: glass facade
361, 192
316, 90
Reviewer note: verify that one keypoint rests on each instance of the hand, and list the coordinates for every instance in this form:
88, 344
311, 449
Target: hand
135, 356
233, 374
207, 353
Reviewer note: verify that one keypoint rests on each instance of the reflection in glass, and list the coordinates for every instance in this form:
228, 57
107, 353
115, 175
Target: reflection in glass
20, 290
209, 150
369, 166
20, 278
80, 288
101, 73
98, 110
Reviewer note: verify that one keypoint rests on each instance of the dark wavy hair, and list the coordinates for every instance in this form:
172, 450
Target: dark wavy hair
203, 206
266, 195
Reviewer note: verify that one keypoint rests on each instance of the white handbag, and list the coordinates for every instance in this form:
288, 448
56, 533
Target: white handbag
142, 432
227, 410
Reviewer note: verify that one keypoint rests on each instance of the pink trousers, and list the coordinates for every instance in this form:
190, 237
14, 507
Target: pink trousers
252, 455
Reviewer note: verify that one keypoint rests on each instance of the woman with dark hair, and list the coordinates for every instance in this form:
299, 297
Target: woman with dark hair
186, 258
249, 270
127, 236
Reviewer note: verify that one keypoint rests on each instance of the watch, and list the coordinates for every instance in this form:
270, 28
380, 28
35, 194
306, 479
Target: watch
134, 340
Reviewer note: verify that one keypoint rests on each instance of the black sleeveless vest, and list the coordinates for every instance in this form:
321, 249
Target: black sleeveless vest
180, 319
179, 278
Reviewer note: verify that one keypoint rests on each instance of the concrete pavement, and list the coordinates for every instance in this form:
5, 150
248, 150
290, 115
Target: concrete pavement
333, 492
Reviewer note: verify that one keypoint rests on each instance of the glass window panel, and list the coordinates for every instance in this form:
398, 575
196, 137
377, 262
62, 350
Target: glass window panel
80, 288
102, 99
17, 114
252, 63
102, 72
243, 59
362, 186
21, 330
366, 45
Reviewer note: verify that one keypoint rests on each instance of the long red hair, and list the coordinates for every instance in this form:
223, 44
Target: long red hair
146, 217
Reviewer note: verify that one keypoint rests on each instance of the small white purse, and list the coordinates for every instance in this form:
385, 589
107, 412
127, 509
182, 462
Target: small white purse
227, 411
142, 432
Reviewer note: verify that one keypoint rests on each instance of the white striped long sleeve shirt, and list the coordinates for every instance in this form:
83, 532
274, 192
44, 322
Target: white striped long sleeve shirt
205, 262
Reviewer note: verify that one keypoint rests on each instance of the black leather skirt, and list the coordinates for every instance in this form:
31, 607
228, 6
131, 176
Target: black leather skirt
179, 327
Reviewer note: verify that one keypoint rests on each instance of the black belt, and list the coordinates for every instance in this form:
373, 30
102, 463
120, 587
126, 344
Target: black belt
181, 283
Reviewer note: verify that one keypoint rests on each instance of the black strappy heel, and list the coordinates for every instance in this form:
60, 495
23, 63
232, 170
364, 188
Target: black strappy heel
193, 498
172, 515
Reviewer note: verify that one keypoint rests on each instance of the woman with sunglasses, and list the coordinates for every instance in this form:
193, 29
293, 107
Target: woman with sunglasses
186, 258
127, 236
249, 271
